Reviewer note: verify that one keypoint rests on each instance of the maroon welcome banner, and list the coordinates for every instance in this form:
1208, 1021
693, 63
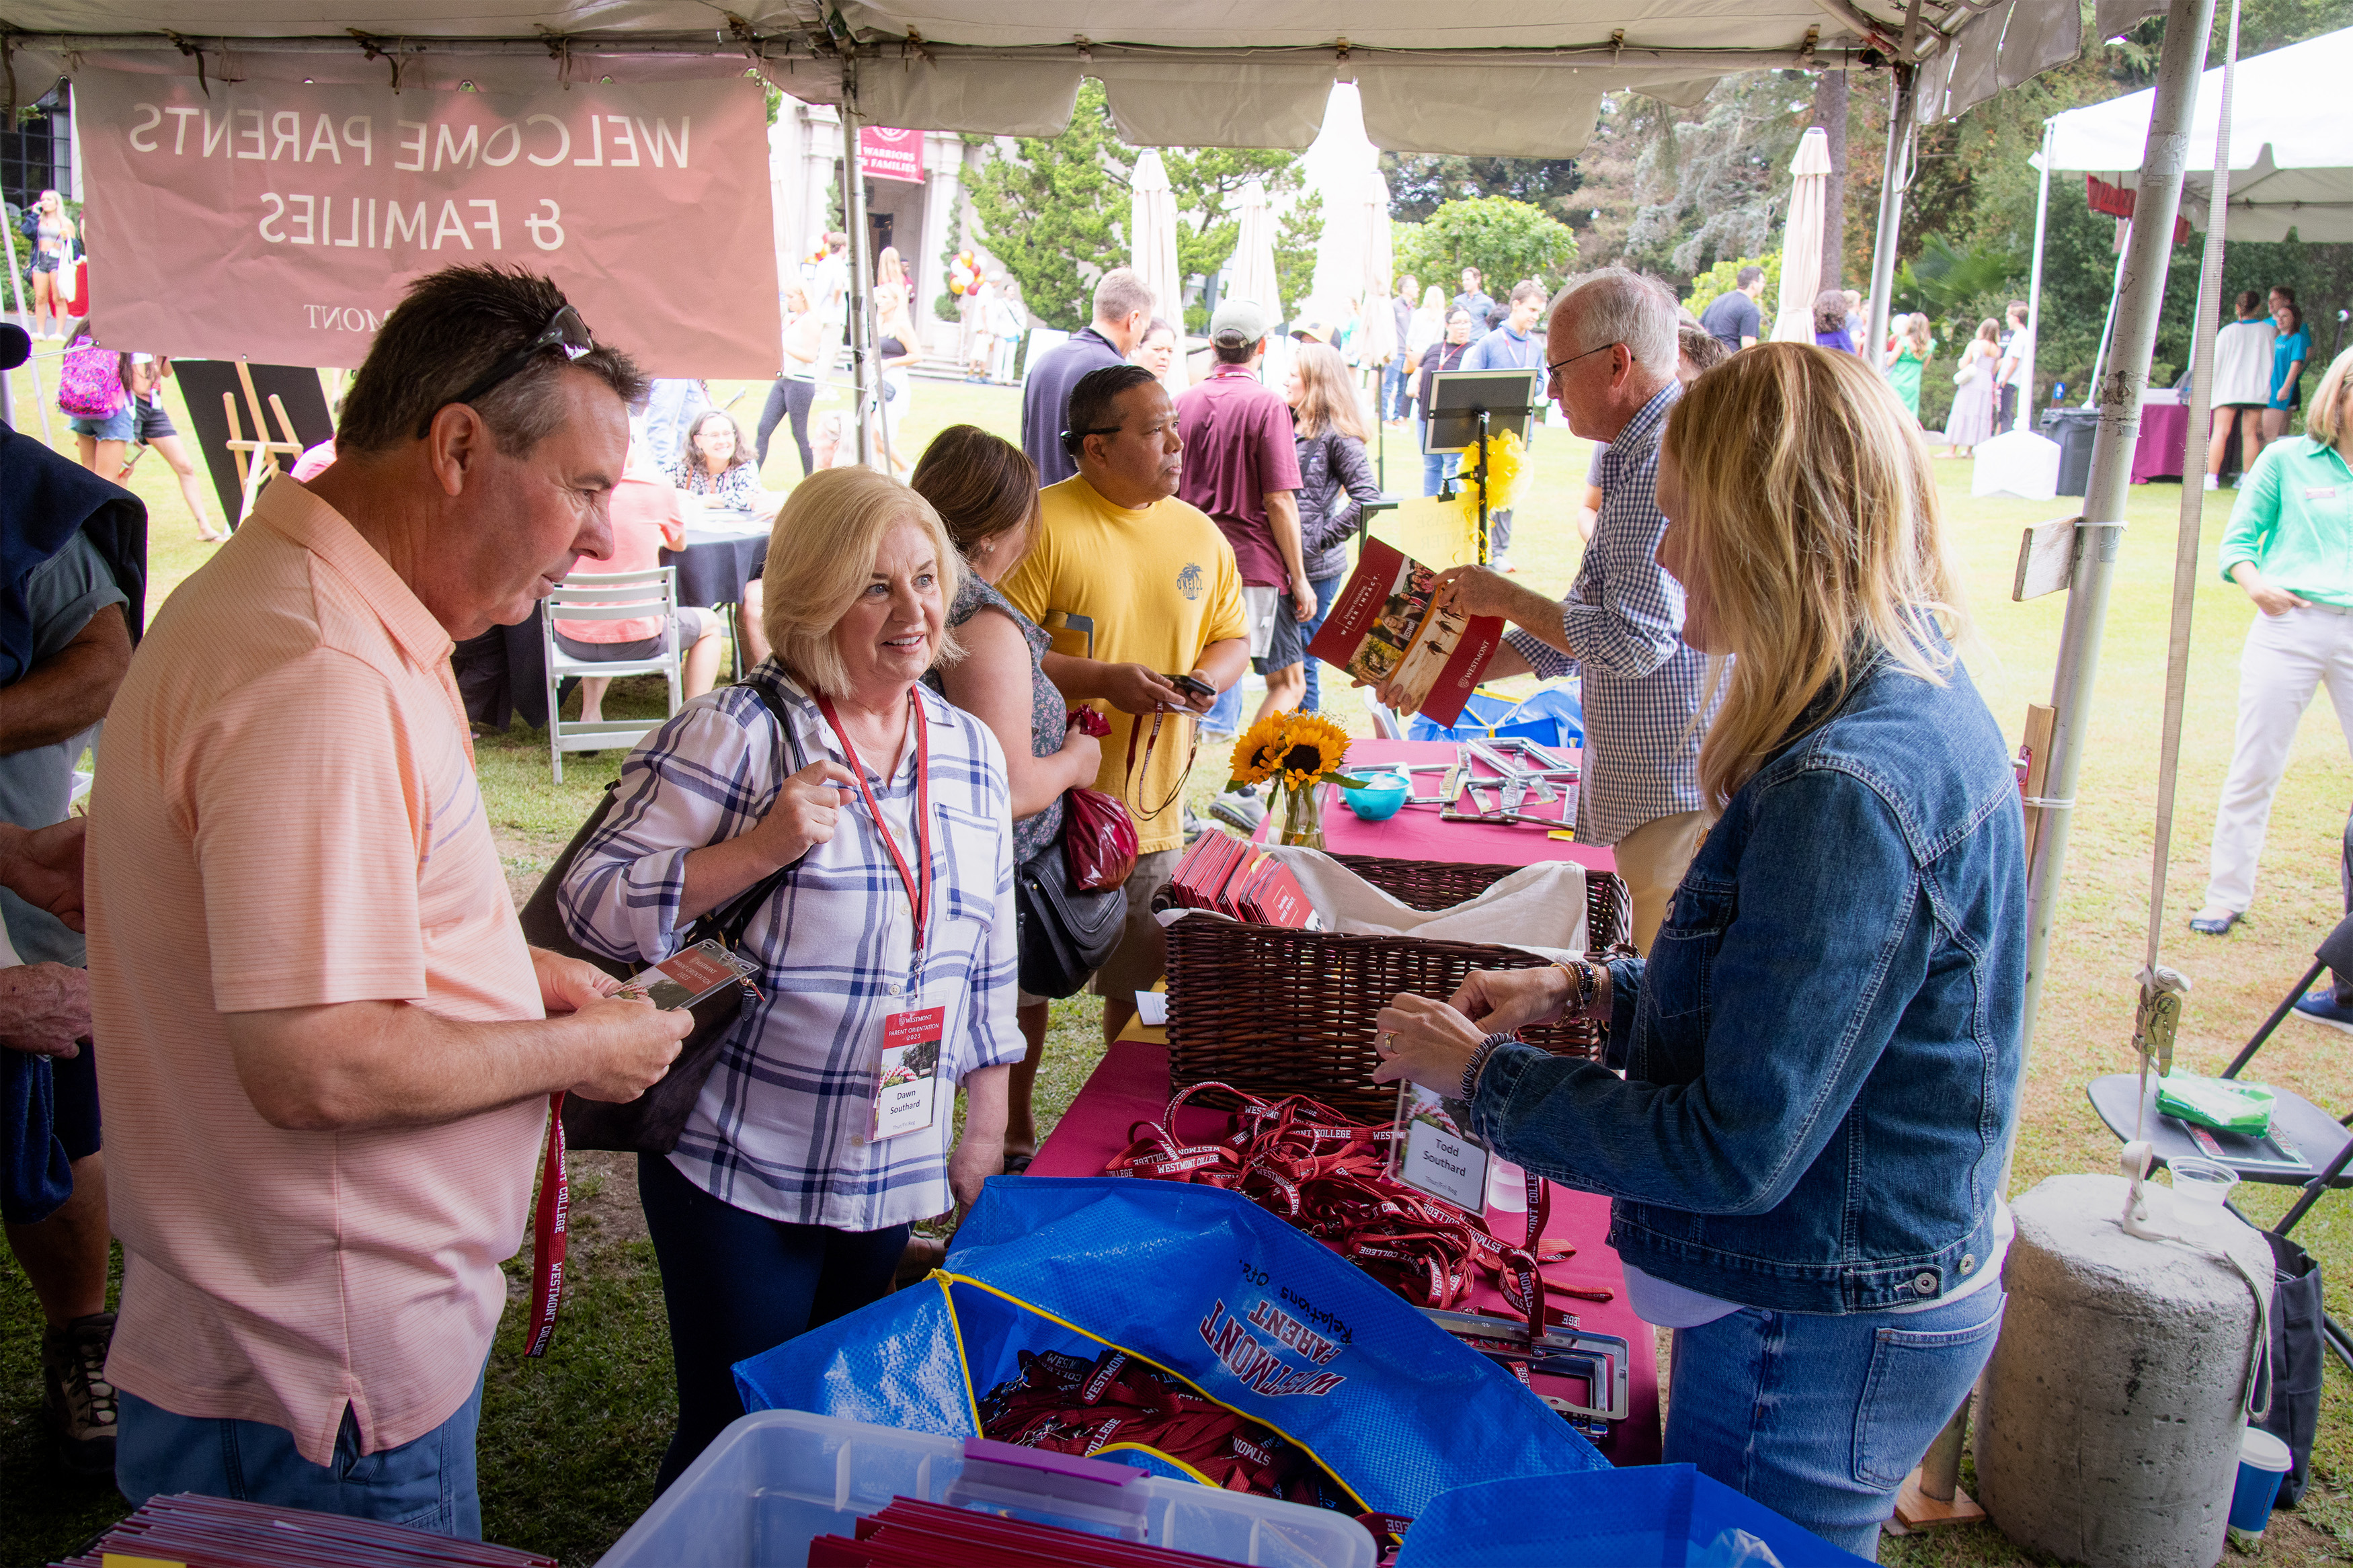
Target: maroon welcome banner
279, 222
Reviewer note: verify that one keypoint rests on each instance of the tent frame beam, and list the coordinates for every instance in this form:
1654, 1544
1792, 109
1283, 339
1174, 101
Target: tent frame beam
2164, 161
1894, 175
776, 48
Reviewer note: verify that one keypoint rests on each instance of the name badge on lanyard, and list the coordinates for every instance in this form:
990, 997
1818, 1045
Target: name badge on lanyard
907, 1068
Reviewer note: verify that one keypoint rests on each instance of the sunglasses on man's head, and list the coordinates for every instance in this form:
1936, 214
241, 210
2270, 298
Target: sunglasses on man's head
565, 331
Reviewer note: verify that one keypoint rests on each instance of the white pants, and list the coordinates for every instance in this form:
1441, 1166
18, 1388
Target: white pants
2285, 656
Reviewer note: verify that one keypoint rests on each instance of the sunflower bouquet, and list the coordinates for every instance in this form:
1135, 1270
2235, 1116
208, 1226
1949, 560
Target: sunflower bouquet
1293, 752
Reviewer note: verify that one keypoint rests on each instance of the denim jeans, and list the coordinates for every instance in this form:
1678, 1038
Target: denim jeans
426, 1483
1393, 388
1820, 1418
1326, 590
1437, 468
1225, 715
736, 1283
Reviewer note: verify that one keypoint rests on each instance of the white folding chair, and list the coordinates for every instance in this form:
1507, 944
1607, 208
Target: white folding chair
1386, 726
609, 596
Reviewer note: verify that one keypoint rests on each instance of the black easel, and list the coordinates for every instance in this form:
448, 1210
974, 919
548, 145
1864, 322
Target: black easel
1467, 408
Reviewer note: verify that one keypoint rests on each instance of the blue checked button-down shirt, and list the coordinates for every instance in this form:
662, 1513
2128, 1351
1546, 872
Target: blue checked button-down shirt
1624, 616
781, 1128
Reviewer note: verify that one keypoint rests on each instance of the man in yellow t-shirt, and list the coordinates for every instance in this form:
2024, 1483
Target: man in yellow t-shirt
1159, 582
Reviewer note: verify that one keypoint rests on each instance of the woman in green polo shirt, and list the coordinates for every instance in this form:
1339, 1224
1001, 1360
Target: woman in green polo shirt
2290, 547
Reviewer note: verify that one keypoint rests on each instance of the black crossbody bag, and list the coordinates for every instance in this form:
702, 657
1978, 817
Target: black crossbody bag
651, 1123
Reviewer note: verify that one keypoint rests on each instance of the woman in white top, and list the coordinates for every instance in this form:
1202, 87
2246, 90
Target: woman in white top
895, 347
2242, 386
796, 386
1971, 420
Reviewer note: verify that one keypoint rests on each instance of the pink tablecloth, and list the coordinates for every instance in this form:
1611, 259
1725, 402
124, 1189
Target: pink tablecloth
1417, 833
1131, 1084
2164, 432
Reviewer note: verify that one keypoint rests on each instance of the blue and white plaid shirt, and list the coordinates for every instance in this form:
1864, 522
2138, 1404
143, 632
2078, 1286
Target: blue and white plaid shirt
781, 1129
1624, 616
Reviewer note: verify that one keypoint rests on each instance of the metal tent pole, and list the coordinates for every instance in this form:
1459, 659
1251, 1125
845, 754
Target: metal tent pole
2187, 25
2025, 371
1895, 173
2108, 327
861, 275
40, 397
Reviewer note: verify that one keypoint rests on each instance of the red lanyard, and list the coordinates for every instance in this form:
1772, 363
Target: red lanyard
548, 1239
918, 883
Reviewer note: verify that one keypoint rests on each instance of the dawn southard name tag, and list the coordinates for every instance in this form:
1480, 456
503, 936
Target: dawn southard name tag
1434, 1150
906, 1085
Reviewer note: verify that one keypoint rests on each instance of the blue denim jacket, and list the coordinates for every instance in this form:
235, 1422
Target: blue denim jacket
1822, 1052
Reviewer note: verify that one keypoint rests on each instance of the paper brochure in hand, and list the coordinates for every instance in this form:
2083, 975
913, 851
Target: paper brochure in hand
1387, 627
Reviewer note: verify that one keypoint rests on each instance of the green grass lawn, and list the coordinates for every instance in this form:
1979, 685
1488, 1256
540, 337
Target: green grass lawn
569, 1444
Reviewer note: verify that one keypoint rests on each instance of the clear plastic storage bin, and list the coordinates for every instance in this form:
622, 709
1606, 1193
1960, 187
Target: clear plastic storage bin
776, 1479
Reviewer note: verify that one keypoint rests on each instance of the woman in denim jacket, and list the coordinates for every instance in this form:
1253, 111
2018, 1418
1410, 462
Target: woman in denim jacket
1821, 1053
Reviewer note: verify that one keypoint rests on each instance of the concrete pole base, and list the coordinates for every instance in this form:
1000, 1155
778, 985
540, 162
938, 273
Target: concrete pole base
2109, 1418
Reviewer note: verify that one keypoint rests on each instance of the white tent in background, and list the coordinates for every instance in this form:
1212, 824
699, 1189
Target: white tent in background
2291, 143
1152, 238
1337, 166
1249, 274
1801, 246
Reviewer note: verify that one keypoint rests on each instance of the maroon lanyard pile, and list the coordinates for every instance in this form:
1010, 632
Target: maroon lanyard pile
1073, 1406
1303, 1162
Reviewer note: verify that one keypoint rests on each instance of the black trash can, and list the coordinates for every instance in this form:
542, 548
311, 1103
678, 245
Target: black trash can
2074, 430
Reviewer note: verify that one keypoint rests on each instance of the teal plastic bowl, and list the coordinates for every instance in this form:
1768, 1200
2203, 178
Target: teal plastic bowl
1379, 799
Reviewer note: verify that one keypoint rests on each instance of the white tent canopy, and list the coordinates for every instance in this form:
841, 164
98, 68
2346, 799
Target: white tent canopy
1183, 73
2291, 143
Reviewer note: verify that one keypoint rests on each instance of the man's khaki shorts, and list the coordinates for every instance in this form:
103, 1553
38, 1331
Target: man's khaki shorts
1142, 956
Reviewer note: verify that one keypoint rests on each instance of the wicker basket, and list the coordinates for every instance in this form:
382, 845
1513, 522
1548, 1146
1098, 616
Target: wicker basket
1276, 1011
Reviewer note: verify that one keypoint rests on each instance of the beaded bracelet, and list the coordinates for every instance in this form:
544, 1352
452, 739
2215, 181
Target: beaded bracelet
1588, 985
1478, 1064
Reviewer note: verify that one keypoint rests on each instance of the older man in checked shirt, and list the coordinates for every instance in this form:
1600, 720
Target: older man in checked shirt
1612, 343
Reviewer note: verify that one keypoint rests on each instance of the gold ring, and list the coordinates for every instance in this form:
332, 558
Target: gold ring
1383, 1045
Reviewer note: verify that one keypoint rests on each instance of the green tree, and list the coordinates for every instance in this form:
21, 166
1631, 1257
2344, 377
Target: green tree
1720, 279
1056, 213
1207, 185
1506, 240
1295, 249
1422, 183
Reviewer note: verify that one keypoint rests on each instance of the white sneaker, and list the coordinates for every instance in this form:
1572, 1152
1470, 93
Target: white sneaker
1240, 809
2213, 482
1502, 564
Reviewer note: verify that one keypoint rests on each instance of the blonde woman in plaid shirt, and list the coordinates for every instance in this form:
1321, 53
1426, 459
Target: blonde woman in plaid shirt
784, 1206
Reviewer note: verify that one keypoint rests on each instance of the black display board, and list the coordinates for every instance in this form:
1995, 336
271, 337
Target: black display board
202, 382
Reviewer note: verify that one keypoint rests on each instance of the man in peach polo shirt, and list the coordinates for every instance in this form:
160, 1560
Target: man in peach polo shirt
329, 1050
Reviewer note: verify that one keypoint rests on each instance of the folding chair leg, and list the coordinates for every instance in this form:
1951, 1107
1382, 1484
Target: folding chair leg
2278, 1013
2333, 1335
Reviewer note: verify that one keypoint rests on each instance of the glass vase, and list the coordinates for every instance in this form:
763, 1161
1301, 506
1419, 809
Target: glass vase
1303, 815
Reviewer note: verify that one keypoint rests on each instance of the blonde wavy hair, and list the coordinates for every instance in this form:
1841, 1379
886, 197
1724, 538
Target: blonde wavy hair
820, 558
2325, 416
1811, 514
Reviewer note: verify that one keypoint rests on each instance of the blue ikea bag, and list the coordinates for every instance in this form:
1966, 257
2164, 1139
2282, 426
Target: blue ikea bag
1199, 1282
1553, 717
1646, 1516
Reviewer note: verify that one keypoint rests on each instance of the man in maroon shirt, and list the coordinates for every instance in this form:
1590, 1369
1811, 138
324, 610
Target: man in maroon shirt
1241, 467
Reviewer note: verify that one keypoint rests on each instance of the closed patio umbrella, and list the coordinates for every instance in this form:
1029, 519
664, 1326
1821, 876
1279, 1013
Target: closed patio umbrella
1152, 238
1249, 274
1801, 250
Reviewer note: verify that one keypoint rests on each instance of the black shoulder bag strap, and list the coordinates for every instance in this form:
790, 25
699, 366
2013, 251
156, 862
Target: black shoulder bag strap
543, 919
